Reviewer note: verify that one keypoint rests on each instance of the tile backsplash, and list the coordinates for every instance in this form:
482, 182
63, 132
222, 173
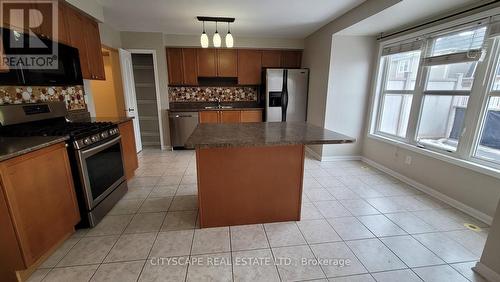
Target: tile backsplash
72, 95
210, 94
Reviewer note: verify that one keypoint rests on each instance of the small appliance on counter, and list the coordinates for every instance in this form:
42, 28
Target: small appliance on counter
94, 150
286, 94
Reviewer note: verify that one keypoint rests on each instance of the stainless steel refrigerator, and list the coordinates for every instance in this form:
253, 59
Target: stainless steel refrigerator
286, 94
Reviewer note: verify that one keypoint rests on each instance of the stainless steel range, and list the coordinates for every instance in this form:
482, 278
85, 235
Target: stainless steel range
94, 150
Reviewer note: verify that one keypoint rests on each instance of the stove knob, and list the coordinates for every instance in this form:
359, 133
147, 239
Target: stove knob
111, 132
87, 141
95, 138
104, 134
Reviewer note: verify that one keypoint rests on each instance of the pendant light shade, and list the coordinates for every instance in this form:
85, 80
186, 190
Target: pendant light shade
217, 39
204, 38
229, 38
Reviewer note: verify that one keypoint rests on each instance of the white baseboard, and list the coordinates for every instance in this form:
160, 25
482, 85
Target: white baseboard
486, 272
318, 157
432, 192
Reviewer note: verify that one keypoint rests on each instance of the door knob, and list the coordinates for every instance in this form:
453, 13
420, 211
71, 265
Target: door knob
131, 109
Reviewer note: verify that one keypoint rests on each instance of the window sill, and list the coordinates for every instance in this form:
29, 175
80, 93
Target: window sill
443, 157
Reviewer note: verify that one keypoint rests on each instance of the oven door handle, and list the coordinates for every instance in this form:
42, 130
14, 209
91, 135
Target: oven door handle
100, 147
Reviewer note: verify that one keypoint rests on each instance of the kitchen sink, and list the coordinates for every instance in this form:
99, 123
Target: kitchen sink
218, 107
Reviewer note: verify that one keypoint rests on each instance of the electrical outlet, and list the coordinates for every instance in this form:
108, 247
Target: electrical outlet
408, 160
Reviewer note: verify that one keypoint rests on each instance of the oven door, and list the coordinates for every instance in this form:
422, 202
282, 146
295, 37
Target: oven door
101, 170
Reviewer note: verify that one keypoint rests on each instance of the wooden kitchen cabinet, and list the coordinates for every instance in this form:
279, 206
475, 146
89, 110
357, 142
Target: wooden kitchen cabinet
207, 62
182, 66
130, 161
42, 206
209, 117
189, 66
291, 59
249, 67
84, 35
271, 58
227, 63
94, 50
175, 66
229, 116
251, 116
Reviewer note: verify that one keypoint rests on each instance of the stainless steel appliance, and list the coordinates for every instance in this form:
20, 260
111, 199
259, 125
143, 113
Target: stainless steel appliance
66, 60
286, 94
94, 150
182, 124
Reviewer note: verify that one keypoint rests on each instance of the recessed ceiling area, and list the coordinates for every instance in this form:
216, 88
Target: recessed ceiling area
257, 18
404, 13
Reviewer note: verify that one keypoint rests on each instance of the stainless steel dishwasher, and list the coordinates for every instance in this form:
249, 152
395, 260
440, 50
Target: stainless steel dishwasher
182, 124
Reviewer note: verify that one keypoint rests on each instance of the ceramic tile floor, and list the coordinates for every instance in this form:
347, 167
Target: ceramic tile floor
358, 224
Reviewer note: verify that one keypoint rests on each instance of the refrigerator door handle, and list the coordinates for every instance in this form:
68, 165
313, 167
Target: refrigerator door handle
284, 96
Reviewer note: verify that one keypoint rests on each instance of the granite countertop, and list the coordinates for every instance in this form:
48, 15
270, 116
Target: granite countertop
115, 120
200, 106
11, 147
208, 135
215, 109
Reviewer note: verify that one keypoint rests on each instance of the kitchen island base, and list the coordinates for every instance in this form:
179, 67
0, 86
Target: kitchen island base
248, 185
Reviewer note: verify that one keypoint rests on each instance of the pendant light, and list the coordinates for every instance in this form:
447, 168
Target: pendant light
204, 37
217, 39
229, 38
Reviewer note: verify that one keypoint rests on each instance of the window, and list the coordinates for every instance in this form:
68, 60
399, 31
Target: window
488, 147
449, 72
442, 93
399, 77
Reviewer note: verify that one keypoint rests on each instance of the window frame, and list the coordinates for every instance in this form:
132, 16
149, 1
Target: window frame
382, 92
477, 104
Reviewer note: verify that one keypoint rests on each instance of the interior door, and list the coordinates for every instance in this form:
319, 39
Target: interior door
129, 93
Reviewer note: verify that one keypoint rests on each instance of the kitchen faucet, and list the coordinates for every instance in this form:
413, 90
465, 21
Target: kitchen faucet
218, 102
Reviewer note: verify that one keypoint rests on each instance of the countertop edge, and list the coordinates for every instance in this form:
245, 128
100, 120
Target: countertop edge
33, 148
225, 109
268, 144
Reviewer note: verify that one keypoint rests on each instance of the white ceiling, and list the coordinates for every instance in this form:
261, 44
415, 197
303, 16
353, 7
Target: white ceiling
254, 18
403, 13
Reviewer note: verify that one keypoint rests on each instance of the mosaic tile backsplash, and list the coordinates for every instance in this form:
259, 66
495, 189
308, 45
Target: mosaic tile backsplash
72, 95
210, 94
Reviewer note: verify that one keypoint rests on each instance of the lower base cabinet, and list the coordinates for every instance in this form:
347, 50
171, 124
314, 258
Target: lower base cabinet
38, 209
130, 161
230, 116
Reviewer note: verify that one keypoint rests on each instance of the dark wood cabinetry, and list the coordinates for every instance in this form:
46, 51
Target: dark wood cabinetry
189, 66
182, 66
42, 208
291, 59
271, 58
249, 67
227, 63
186, 65
207, 62
73, 28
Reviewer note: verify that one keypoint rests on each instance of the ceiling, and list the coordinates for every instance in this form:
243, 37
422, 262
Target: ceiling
254, 18
403, 13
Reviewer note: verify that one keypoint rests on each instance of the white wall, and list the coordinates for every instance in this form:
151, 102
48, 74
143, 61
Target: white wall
351, 64
153, 41
110, 36
316, 57
239, 42
91, 7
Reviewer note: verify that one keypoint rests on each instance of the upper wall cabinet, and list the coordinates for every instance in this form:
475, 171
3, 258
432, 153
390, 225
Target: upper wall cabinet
182, 66
271, 58
207, 62
291, 59
186, 65
249, 67
227, 63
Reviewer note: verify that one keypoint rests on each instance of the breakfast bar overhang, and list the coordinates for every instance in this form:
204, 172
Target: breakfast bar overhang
252, 172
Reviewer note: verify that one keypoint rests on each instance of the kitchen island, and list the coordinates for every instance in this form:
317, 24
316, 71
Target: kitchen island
252, 172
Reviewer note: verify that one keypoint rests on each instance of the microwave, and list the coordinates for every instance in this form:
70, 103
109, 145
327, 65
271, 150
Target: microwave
37, 61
